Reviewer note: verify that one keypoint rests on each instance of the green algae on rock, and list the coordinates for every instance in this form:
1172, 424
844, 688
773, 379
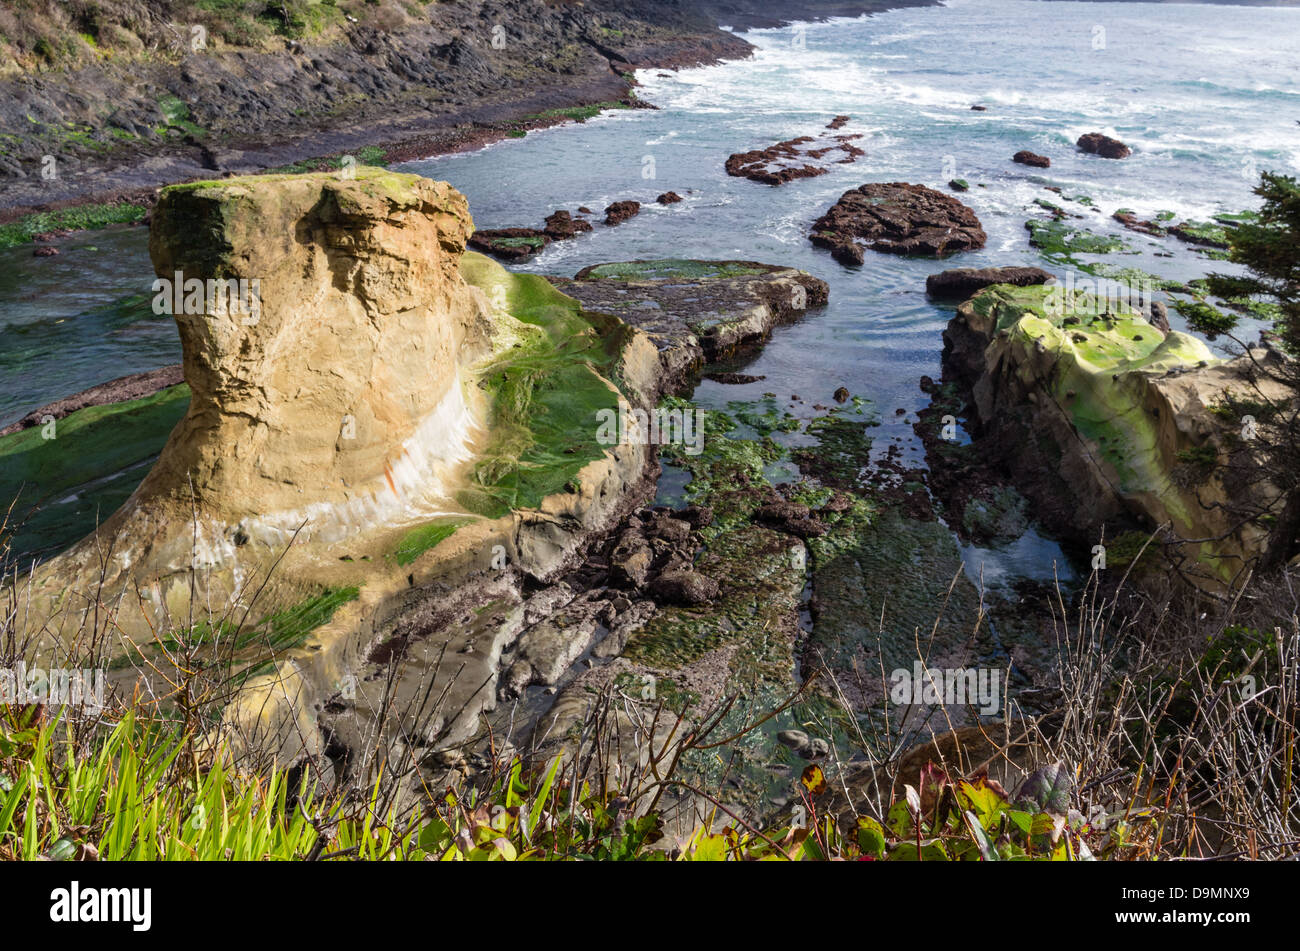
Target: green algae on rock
1091, 406
71, 474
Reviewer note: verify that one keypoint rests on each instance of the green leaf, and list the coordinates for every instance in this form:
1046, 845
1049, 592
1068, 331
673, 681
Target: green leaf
1047, 789
989, 853
871, 837
63, 850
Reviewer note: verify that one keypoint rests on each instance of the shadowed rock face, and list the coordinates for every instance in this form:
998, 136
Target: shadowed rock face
337, 383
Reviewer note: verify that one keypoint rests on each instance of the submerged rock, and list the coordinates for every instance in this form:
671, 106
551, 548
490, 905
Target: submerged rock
896, 218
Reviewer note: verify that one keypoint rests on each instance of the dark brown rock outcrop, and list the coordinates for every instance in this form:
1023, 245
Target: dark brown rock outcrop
1026, 157
509, 244
561, 226
803, 157
960, 283
621, 211
896, 218
1103, 146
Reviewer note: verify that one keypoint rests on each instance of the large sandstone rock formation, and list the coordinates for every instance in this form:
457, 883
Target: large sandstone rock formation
1107, 421
380, 416
339, 400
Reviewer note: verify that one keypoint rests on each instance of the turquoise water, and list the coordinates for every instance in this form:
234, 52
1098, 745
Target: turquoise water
1207, 96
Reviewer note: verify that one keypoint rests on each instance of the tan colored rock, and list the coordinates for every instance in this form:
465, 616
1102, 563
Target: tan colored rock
339, 399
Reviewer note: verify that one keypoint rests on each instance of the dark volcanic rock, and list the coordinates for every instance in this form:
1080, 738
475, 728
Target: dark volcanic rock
510, 244
1103, 146
1025, 157
621, 211
962, 282
699, 516
561, 226
1134, 223
896, 218
683, 587
838, 122
669, 198
805, 157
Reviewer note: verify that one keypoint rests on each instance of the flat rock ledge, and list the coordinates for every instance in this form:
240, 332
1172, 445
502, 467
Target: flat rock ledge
806, 156
962, 282
697, 312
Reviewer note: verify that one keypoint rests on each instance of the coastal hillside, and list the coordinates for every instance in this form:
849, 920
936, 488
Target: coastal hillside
106, 98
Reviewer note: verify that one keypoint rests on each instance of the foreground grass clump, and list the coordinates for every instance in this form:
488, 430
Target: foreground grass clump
81, 218
130, 792
125, 795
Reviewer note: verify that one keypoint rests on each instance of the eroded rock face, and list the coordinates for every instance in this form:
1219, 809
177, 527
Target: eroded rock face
342, 391
896, 218
1101, 418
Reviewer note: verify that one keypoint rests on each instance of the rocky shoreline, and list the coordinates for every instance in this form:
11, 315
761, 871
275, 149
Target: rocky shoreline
118, 129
